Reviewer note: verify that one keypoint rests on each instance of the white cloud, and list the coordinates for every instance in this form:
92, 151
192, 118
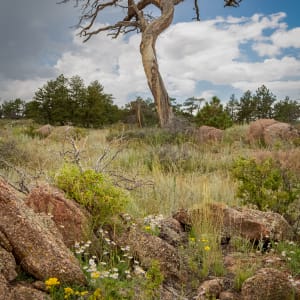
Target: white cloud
210, 51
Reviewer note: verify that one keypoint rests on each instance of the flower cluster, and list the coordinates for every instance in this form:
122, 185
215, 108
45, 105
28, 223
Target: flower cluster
69, 292
81, 247
154, 221
51, 282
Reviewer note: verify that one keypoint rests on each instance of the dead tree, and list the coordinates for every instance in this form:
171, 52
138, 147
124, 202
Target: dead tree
136, 17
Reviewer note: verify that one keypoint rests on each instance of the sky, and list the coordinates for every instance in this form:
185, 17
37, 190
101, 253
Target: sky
230, 51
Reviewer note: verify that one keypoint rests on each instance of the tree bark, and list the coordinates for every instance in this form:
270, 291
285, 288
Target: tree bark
149, 59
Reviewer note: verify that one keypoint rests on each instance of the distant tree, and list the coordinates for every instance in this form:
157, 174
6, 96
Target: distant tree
192, 105
263, 100
246, 108
13, 109
141, 112
97, 109
287, 110
33, 110
77, 97
232, 108
213, 114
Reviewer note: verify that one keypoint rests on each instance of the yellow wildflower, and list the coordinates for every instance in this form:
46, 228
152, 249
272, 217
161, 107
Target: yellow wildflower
52, 281
83, 293
206, 248
68, 291
192, 239
95, 275
148, 228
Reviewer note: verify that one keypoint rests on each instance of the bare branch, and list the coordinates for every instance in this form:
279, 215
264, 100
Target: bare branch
233, 3
196, 7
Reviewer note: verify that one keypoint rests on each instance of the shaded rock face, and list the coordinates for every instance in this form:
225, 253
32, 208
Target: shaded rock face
35, 241
210, 289
69, 218
268, 284
270, 131
206, 134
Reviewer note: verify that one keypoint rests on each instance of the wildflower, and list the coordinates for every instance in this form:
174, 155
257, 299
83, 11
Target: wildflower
192, 239
52, 281
283, 253
203, 240
95, 275
114, 275
147, 228
68, 291
206, 248
83, 293
97, 294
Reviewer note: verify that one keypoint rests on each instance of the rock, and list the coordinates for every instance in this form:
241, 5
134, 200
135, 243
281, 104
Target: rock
172, 232
279, 132
256, 130
206, 134
4, 290
22, 292
147, 248
267, 284
252, 224
184, 218
36, 242
225, 295
7, 265
69, 218
44, 131
210, 289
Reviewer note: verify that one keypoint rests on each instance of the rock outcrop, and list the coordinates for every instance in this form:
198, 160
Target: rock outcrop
206, 134
270, 131
268, 284
34, 241
69, 218
44, 131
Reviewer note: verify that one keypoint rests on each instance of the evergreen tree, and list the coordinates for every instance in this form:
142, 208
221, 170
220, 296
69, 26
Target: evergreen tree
213, 114
263, 100
13, 109
287, 110
246, 108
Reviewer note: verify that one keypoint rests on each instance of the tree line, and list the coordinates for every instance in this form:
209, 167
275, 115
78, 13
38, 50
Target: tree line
68, 101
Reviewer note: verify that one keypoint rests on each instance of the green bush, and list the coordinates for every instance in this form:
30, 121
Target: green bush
265, 184
94, 191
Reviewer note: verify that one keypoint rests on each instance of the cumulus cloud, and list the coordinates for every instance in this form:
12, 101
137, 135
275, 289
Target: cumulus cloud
211, 51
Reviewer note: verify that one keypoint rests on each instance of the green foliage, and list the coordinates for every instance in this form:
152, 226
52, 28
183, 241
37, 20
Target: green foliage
13, 109
154, 279
287, 110
213, 114
290, 252
265, 184
64, 100
241, 275
94, 191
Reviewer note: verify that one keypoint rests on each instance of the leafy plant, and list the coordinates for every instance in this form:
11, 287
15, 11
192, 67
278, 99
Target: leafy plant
94, 191
265, 184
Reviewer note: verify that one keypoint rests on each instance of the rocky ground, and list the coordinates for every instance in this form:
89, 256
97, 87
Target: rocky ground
38, 231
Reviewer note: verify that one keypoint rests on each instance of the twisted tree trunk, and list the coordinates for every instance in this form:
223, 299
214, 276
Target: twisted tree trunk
147, 49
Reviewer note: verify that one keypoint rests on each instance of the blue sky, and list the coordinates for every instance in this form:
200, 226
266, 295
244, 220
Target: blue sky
229, 51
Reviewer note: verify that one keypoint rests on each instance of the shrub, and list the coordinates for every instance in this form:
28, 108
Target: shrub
265, 184
94, 191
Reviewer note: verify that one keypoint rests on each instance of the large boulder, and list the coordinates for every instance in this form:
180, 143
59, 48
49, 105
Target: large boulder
278, 132
268, 284
256, 130
35, 241
44, 131
70, 219
206, 134
251, 224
